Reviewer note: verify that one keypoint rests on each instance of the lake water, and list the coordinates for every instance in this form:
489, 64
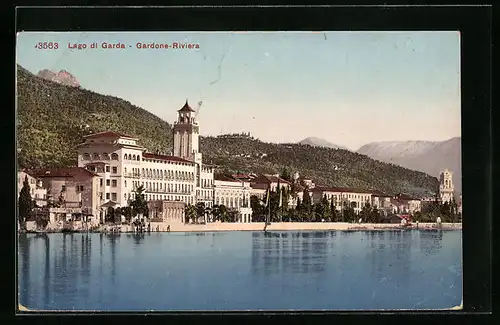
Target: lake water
339, 270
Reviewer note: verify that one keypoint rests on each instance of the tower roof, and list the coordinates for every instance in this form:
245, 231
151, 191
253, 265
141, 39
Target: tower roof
186, 108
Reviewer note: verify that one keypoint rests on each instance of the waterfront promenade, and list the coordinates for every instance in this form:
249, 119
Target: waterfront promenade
285, 226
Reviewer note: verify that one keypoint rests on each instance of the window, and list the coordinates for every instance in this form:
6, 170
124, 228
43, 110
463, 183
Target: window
86, 156
114, 183
96, 156
108, 182
113, 197
114, 156
107, 169
79, 188
115, 170
100, 181
107, 196
63, 188
125, 183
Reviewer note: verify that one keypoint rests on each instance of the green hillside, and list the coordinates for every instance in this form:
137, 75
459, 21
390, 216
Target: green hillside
52, 119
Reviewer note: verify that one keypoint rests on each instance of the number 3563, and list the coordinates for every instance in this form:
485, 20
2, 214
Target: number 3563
46, 45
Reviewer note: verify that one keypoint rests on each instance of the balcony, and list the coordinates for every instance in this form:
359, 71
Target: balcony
132, 175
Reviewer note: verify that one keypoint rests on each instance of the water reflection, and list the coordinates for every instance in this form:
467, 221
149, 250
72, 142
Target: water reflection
283, 269
284, 252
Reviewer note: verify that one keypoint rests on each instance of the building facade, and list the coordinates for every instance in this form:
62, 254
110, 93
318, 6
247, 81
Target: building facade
71, 188
123, 165
37, 191
234, 194
355, 198
446, 188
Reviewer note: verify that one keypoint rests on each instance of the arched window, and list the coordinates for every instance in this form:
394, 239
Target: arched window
114, 156
125, 183
105, 156
125, 170
86, 156
96, 155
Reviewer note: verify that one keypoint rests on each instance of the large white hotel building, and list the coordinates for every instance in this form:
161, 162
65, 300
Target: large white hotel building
123, 165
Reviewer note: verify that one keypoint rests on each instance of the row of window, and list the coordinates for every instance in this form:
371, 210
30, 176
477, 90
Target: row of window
160, 173
349, 196
103, 156
232, 202
159, 187
154, 197
110, 196
108, 169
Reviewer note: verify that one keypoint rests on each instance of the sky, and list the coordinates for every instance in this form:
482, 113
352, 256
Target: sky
349, 88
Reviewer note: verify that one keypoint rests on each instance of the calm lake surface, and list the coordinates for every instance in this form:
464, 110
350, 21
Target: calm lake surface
339, 270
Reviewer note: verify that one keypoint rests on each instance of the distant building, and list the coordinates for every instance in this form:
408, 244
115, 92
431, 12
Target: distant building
446, 188
166, 211
71, 187
342, 196
261, 183
381, 201
406, 204
37, 191
234, 194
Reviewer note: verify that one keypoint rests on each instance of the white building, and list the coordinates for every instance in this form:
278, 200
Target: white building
351, 197
37, 191
234, 194
446, 188
123, 165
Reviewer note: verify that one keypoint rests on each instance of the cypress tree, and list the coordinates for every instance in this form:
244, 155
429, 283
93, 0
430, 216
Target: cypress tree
25, 203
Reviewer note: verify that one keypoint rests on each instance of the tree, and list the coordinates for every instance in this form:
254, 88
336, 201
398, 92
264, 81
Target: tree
139, 204
333, 212
110, 215
200, 210
127, 212
257, 209
25, 204
365, 213
306, 202
285, 174
189, 213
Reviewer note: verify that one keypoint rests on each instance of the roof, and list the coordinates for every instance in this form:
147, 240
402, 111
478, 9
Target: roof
259, 186
108, 134
108, 204
268, 179
186, 108
63, 172
340, 190
225, 178
380, 194
241, 176
405, 197
163, 157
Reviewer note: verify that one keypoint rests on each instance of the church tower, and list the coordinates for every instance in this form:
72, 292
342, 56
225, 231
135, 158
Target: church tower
186, 134
446, 189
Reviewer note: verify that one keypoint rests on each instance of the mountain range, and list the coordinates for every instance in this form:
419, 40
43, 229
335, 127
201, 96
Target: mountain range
430, 157
52, 119
318, 142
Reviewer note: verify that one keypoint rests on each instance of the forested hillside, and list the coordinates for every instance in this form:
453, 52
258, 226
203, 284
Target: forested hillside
53, 118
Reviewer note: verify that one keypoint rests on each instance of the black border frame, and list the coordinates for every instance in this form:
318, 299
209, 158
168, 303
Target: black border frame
474, 24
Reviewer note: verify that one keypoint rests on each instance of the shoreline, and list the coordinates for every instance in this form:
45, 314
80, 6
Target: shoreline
283, 226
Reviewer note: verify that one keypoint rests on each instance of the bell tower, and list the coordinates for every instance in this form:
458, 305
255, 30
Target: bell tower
186, 134
446, 188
